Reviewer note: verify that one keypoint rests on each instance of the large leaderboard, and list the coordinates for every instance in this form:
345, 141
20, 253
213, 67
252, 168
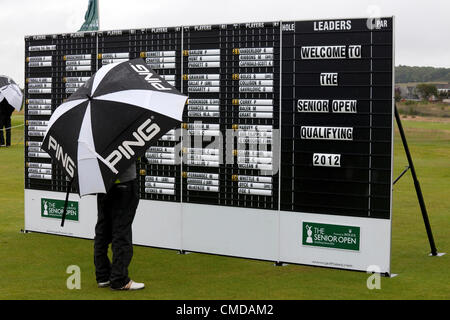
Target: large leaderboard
284, 153
337, 118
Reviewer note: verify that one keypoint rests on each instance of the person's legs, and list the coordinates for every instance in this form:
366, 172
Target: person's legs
2, 138
102, 239
8, 130
124, 209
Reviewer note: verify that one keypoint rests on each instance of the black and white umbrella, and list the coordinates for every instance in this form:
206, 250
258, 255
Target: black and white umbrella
10, 91
111, 121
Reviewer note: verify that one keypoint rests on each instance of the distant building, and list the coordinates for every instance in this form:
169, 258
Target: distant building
443, 88
408, 91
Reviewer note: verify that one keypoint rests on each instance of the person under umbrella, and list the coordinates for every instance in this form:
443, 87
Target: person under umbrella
97, 135
116, 212
6, 111
10, 99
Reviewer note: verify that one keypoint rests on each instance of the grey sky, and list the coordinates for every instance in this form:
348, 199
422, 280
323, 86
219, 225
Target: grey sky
422, 27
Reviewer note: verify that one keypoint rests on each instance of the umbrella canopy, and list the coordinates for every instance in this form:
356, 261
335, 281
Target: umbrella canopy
111, 121
10, 91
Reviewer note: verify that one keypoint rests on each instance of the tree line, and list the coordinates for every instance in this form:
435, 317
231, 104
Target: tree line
404, 74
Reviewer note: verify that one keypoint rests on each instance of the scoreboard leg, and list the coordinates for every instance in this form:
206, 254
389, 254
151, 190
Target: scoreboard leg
417, 186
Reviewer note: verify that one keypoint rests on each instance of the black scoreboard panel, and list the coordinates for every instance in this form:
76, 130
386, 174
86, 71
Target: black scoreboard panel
161, 176
116, 46
205, 121
337, 117
231, 75
78, 59
41, 61
254, 110
55, 67
293, 116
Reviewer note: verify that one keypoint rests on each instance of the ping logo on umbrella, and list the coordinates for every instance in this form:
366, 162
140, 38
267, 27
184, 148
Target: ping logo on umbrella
155, 82
67, 161
143, 134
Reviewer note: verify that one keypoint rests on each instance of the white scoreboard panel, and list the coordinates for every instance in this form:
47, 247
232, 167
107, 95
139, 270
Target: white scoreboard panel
284, 153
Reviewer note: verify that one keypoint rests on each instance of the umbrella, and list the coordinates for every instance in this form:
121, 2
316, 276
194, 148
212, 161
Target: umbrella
10, 91
111, 121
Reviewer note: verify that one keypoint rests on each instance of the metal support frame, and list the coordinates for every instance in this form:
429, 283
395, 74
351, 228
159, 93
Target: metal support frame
423, 208
401, 175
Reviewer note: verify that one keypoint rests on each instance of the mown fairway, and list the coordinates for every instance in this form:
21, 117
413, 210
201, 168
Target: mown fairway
33, 266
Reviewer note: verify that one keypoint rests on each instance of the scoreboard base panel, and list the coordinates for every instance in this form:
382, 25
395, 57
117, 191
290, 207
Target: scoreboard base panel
373, 249
230, 231
259, 234
158, 224
38, 220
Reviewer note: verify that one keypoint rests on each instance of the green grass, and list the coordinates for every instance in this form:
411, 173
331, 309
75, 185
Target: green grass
424, 109
33, 266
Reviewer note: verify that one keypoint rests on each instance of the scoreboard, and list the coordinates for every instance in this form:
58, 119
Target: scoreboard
337, 118
284, 153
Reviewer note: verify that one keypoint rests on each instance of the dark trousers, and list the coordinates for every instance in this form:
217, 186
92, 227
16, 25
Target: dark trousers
5, 122
116, 211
